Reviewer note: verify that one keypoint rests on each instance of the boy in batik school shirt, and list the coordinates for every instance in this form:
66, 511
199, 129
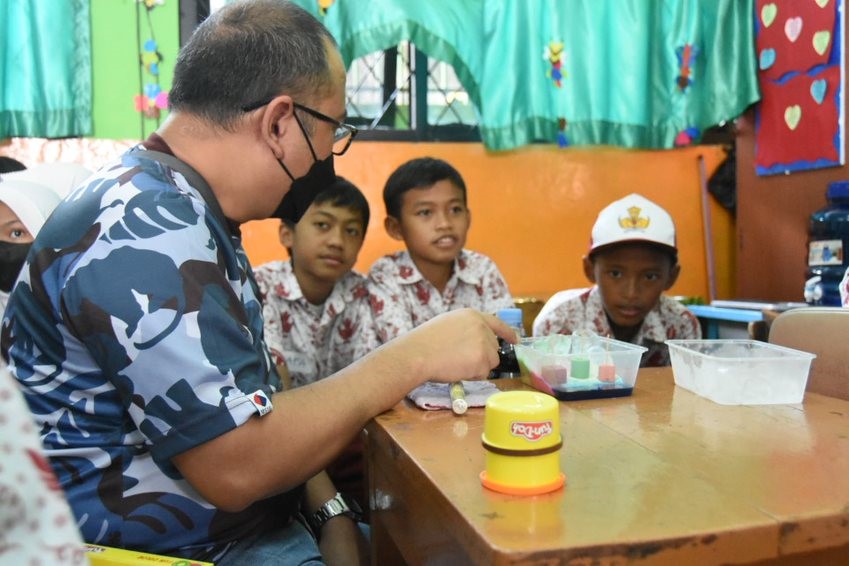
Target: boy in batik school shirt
632, 260
315, 307
426, 207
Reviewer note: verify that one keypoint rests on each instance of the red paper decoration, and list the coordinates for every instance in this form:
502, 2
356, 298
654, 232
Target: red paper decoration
800, 76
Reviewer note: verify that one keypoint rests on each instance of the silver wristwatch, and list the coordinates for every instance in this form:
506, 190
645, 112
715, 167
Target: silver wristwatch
338, 505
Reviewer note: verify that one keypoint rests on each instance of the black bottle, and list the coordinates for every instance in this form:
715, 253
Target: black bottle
508, 365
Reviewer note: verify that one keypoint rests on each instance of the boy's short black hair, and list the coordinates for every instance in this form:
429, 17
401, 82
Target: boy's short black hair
417, 174
345, 194
671, 253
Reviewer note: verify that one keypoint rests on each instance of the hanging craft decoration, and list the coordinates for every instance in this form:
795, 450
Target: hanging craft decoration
687, 136
562, 140
554, 55
801, 70
152, 98
686, 55
323, 6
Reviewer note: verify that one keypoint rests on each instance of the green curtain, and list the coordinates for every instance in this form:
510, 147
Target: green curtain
634, 73
45, 68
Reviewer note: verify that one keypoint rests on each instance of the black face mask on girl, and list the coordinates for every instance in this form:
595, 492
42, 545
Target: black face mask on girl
12, 258
304, 190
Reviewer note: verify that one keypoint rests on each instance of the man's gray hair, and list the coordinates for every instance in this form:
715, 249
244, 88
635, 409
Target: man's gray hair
247, 53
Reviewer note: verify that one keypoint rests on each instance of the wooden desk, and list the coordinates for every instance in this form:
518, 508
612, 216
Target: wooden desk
661, 477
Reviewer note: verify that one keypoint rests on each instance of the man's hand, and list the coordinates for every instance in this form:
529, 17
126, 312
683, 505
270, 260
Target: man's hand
460, 344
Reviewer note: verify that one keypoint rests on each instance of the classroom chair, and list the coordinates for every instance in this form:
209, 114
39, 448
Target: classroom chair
823, 331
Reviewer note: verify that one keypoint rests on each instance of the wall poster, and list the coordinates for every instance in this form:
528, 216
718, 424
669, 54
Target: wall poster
799, 121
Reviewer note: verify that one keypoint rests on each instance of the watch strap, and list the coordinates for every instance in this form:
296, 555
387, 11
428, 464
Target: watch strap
333, 507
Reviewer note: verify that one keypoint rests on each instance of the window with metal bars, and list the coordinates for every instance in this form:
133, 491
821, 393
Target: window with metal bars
403, 95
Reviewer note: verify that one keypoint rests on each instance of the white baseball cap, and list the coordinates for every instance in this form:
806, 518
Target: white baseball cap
633, 218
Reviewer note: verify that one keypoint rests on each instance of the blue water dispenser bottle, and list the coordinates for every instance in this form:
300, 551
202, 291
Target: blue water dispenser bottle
828, 242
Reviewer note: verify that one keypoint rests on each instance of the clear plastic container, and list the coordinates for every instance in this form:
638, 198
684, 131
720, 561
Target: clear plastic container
579, 366
740, 372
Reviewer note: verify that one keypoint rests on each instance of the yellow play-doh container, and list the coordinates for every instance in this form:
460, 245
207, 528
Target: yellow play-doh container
521, 437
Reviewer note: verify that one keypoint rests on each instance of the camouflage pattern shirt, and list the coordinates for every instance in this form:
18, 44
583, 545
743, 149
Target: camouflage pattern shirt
135, 335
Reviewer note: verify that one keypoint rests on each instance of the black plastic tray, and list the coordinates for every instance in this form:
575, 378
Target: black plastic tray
584, 394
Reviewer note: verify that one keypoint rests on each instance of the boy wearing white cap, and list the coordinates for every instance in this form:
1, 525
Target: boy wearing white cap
632, 260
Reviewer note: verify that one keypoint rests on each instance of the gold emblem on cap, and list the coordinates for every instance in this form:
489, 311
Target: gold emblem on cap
634, 221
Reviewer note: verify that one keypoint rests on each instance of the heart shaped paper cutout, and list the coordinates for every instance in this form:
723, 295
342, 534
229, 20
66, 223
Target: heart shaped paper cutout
792, 115
818, 88
821, 41
822, 3
768, 13
767, 59
792, 28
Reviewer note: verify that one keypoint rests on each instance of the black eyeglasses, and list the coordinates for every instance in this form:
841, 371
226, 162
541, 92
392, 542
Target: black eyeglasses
343, 135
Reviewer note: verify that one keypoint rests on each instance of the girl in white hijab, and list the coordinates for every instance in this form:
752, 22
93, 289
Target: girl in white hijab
26, 200
24, 207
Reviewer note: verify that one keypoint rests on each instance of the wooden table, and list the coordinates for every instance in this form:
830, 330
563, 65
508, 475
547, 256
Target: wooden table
661, 477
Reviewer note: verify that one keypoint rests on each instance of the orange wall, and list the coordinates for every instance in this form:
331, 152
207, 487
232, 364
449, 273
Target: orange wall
533, 209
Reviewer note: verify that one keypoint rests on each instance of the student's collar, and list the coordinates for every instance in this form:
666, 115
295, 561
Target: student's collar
459, 269
651, 329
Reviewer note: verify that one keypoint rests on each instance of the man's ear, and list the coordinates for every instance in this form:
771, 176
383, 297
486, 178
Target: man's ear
286, 236
589, 269
393, 228
277, 117
673, 276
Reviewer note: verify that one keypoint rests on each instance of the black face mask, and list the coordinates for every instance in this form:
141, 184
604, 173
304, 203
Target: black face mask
321, 175
12, 258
